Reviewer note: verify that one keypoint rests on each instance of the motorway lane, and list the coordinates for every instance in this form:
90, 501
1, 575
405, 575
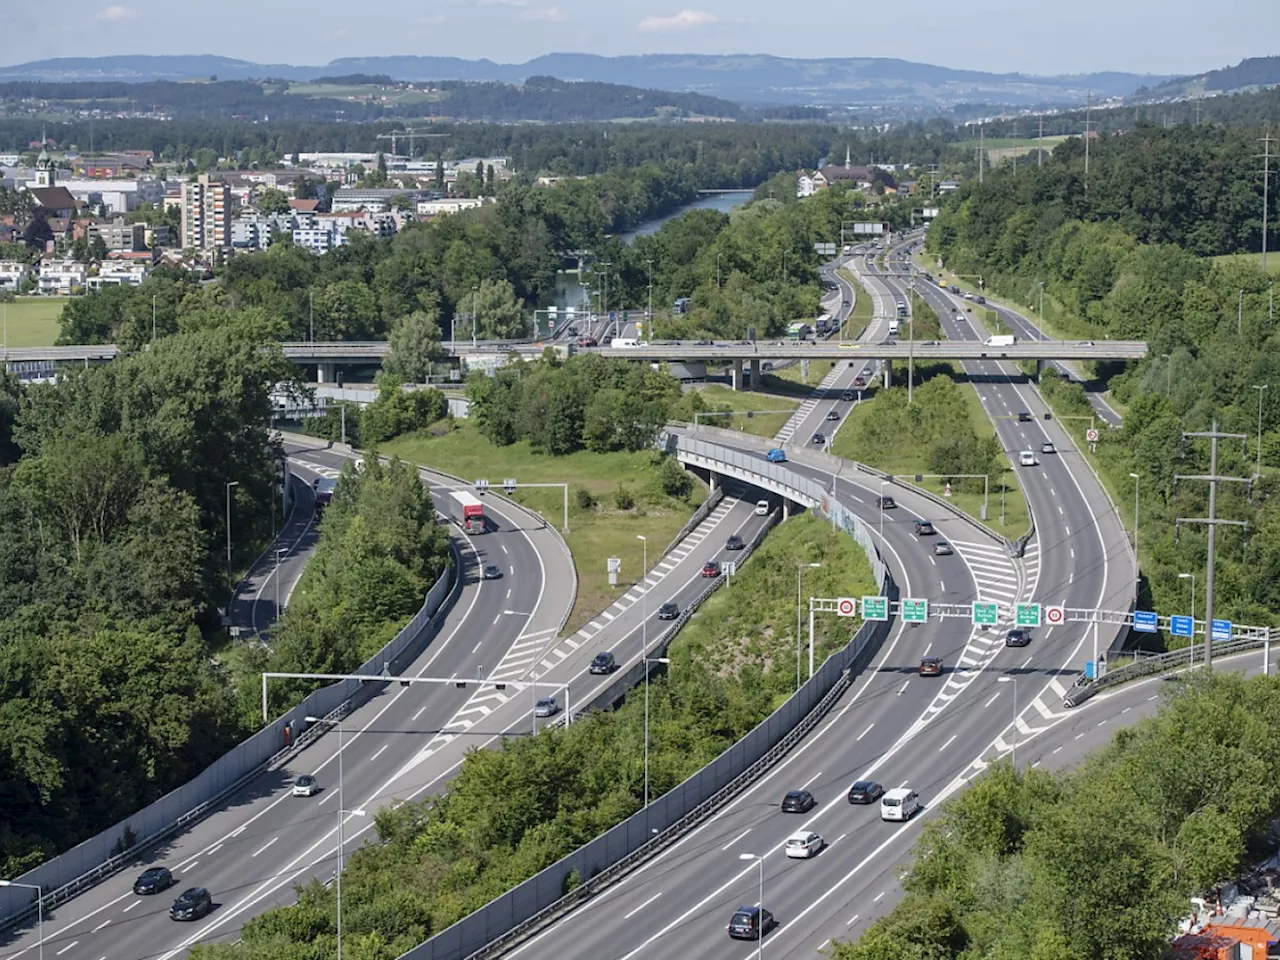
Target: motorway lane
251, 851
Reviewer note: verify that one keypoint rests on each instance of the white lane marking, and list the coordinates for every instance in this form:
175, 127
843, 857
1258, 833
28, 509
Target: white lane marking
513, 570
942, 585
265, 845
237, 831
378, 753
852, 920
214, 849
879, 897
902, 688
66, 948
865, 732
100, 926
943, 748
473, 650
420, 709
1056, 749
992, 700
736, 839
504, 548
810, 780
131, 906
628, 916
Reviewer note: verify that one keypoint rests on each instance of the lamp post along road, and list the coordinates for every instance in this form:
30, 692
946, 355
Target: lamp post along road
1260, 388
760, 918
1136, 481
799, 576
230, 484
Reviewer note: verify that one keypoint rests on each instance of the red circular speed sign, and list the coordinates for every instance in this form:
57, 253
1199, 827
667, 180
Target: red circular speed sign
847, 607
1054, 615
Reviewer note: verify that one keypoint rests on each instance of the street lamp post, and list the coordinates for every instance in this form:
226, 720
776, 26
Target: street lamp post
39, 906
1192, 578
1135, 478
648, 660
230, 484
799, 575
648, 330
337, 875
474, 290
759, 939
311, 301
881, 504
153, 318
1259, 387
717, 271
1013, 747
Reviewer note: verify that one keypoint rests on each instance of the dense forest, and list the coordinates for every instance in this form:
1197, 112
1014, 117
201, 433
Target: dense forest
1044, 866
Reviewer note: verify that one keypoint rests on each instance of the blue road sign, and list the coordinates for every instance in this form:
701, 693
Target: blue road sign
1182, 626
1144, 621
1088, 669
1220, 630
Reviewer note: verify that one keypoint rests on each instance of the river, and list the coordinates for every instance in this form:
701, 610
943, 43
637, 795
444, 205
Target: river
570, 293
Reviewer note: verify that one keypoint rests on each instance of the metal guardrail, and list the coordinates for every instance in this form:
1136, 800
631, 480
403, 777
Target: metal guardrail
699, 515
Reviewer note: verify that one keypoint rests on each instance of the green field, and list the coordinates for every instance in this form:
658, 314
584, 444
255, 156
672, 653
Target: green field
598, 532
1011, 143
1273, 259
31, 321
764, 425
369, 91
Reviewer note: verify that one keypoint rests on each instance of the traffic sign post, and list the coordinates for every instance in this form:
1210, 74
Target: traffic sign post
846, 607
875, 608
615, 568
914, 610
985, 614
1027, 615
1144, 621
1055, 616
1220, 630
1182, 626
1091, 435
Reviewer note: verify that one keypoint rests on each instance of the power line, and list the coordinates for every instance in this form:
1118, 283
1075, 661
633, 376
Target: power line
1266, 141
1088, 106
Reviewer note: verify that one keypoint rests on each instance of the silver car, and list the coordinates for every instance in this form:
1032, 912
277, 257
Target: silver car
546, 707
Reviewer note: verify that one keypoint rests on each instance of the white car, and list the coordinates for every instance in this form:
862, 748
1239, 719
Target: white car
1027, 458
305, 786
762, 508
803, 845
546, 707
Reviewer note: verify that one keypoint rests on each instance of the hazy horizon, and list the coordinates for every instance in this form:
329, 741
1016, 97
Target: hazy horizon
997, 36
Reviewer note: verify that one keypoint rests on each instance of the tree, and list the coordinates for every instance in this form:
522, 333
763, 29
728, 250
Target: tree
97, 247
440, 173
272, 201
414, 347
346, 310
499, 315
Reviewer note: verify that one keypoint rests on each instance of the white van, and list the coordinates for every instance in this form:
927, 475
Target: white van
1001, 340
900, 803
624, 343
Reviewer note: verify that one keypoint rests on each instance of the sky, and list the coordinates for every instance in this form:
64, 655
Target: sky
1029, 36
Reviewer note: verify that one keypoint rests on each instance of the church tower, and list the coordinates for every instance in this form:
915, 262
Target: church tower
46, 172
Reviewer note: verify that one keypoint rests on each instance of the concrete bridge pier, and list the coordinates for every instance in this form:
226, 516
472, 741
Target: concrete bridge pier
755, 373
736, 375
888, 374
326, 372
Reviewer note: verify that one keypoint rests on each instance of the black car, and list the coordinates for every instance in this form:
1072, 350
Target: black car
818, 439
492, 571
603, 662
833, 414
1017, 637
668, 611
153, 880
798, 801
865, 791
192, 905
734, 543
1024, 416
885, 503
751, 923
924, 528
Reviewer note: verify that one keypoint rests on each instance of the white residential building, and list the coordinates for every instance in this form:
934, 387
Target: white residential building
448, 205
804, 186
115, 273
13, 274
59, 277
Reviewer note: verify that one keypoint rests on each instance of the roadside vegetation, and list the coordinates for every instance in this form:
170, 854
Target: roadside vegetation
1039, 865
1136, 268
514, 810
944, 431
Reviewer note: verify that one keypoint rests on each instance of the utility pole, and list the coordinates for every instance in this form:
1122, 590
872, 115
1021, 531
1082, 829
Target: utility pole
1040, 144
1266, 183
1088, 107
981, 149
648, 330
1213, 521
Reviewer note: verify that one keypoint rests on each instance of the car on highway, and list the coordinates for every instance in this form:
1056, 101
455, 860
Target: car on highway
798, 801
762, 508
1024, 416
305, 786
859, 382
968, 295
546, 707
776, 455
704, 343
818, 439
603, 662
959, 316
192, 905
924, 528
848, 396
711, 569
1027, 458
734, 543
930, 666
1048, 447
833, 414
942, 548
588, 342
492, 571
865, 791
751, 923
1017, 637
669, 610
804, 844
980, 299
899, 804
153, 880
885, 503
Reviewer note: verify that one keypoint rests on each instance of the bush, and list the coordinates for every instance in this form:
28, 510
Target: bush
584, 499
674, 479
624, 499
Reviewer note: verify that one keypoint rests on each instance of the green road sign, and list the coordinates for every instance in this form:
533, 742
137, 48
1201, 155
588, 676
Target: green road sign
1028, 615
985, 614
915, 611
875, 608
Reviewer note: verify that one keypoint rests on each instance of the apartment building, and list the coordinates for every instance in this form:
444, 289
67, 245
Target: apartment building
120, 236
115, 273
13, 273
58, 278
206, 214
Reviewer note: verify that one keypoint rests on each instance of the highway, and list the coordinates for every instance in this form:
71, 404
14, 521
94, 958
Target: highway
251, 852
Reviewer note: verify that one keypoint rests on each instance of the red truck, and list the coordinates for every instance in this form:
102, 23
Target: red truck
467, 512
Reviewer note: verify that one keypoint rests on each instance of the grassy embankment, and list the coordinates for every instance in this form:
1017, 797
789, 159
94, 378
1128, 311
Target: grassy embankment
761, 424
597, 532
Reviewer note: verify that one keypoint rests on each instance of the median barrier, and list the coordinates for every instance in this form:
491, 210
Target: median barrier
120, 846
571, 881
